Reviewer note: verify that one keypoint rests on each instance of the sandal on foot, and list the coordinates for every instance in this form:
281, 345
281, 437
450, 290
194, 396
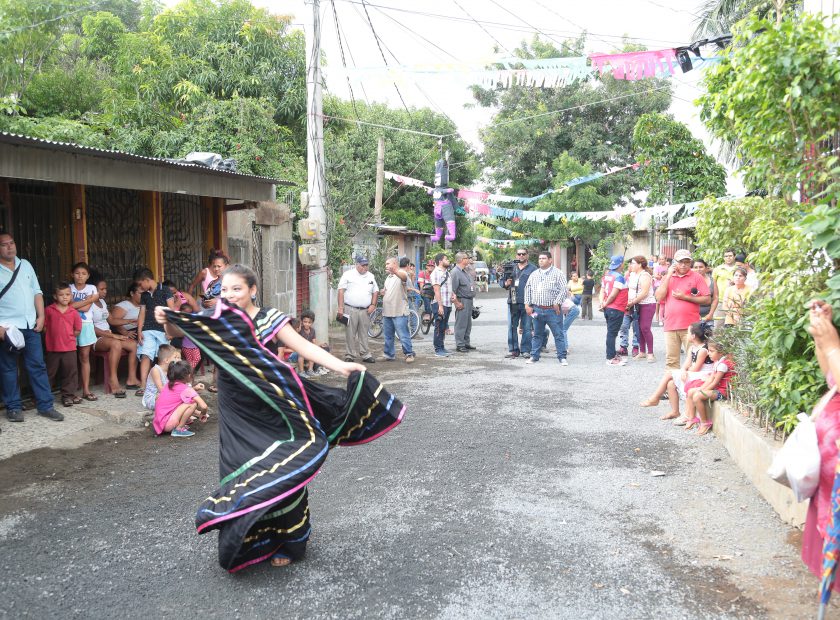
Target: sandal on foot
704, 428
679, 420
669, 416
90, 397
68, 401
139, 392
212, 388
77, 400
132, 386
278, 561
692, 423
119, 394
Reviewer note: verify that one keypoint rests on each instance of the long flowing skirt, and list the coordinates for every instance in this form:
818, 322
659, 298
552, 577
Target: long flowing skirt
275, 430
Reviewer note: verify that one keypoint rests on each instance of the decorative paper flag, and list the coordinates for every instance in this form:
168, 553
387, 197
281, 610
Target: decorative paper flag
637, 65
406, 180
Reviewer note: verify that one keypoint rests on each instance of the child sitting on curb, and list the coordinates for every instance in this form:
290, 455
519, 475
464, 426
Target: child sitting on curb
178, 402
697, 365
157, 375
715, 388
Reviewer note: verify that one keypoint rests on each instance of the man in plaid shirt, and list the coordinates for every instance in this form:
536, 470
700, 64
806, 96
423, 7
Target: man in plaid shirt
544, 296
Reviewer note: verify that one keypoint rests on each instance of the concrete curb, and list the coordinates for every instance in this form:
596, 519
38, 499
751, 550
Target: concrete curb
753, 452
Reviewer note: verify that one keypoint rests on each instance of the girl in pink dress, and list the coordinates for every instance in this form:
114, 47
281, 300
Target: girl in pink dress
178, 402
827, 347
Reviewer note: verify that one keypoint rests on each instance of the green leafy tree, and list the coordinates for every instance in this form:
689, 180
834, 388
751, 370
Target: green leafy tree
680, 170
775, 96
722, 224
522, 153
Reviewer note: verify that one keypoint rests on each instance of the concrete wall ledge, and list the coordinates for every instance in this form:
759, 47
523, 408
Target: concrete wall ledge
753, 451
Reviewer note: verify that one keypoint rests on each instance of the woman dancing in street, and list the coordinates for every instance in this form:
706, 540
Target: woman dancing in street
274, 428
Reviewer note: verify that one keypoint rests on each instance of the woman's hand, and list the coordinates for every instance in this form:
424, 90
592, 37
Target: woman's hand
684, 375
345, 368
821, 326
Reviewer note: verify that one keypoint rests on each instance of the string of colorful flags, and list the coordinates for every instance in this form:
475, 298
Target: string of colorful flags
553, 72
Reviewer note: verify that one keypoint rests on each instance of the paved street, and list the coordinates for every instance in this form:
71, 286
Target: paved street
510, 491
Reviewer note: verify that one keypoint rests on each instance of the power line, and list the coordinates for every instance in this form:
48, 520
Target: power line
343, 61
577, 107
505, 25
90, 7
566, 19
534, 27
385, 60
353, 60
477, 23
417, 34
381, 126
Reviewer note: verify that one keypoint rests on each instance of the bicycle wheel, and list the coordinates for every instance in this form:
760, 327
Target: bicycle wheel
375, 329
413, 322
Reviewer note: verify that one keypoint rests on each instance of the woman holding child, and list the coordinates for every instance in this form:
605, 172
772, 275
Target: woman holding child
274, 428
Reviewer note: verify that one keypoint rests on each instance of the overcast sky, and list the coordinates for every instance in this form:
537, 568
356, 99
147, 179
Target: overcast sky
442, 31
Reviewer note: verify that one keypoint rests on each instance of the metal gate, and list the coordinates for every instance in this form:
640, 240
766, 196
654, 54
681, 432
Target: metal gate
184, 223
117, 234
42, 230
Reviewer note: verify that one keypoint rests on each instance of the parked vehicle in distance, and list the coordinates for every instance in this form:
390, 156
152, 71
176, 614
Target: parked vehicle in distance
482, 275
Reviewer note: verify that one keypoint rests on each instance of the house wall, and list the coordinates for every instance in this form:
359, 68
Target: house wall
261, 237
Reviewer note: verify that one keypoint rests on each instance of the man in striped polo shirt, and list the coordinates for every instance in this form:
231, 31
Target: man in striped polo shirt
544, 295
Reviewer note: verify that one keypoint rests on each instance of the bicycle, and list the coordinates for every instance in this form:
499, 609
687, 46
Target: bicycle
375, 329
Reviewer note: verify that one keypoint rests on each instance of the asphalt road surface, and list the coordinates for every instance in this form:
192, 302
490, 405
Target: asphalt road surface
509, 491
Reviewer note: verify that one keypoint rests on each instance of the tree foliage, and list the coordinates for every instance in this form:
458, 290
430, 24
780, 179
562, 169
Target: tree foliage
776, 96
680, 170
596, 129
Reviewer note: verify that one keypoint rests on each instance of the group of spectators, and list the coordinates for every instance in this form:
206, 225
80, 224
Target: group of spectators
437, 291
57, 332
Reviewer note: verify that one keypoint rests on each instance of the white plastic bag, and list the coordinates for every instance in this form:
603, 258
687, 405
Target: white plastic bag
797, 464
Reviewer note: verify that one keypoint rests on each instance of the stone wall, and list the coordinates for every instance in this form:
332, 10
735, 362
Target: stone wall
261, 237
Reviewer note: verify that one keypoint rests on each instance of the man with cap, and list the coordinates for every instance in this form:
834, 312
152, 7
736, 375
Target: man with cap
681, 292
357, 295
22, 308
613, 303
463, 292
517, 317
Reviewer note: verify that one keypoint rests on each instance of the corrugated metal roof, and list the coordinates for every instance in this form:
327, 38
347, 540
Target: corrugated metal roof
17, 139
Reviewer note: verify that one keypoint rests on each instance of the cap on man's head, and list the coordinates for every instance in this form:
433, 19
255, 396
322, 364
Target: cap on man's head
615, 261
681, 255
361, 260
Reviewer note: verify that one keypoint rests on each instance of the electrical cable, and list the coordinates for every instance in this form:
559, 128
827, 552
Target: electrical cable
353, 60
343, 61
572, 50
391, 127
419, 163
566, 19
90, 7
417, 34
504, 25
477, 23
385, 60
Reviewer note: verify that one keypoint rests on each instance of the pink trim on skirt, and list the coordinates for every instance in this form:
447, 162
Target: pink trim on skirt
812, 545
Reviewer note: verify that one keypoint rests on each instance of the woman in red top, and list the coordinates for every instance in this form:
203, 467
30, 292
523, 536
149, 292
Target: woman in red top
827, 348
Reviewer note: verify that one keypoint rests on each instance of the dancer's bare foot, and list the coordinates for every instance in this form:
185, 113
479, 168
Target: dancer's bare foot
670, 416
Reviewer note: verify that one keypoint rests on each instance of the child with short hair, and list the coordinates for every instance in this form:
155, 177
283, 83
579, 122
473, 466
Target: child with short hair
284, 352
150, 335
716, 387
63, 326
157, 375
306, 368
178, 401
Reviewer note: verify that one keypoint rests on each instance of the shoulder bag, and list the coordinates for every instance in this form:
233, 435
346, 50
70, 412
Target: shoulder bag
11, 280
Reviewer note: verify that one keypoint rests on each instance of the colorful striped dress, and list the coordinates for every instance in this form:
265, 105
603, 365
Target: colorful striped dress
275, 430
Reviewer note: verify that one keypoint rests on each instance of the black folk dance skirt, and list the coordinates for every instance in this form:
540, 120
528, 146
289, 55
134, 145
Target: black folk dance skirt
275, 430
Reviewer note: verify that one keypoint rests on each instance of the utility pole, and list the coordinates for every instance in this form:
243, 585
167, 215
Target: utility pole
319, 294
380, 181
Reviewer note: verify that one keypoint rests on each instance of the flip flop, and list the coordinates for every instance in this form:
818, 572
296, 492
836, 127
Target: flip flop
139, 392
119, 394
132, 386
90, 397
